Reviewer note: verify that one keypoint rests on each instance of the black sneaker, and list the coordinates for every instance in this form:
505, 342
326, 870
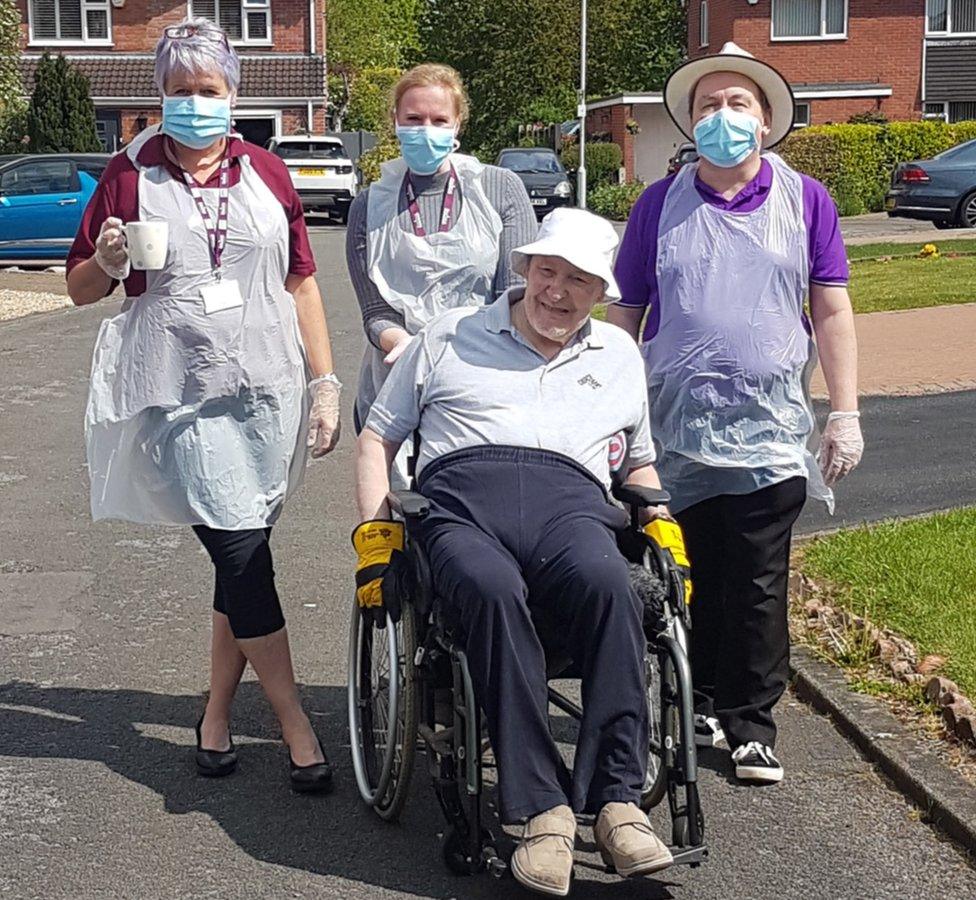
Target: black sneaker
755, 762
708, 732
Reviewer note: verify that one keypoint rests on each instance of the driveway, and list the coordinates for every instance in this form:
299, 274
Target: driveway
103, 657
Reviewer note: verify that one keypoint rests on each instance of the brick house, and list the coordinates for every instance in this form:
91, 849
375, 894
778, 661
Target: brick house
280, 42
906, 59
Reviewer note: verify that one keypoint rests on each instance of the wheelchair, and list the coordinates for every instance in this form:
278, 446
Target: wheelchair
410, 693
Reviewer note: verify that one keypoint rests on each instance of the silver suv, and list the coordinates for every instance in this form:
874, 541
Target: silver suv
321, 171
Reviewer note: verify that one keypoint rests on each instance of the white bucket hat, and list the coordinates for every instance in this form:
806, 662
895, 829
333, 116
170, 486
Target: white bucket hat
731, 58
583, 239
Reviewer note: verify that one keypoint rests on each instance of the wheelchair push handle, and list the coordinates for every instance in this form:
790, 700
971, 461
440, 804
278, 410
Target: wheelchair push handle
408, 504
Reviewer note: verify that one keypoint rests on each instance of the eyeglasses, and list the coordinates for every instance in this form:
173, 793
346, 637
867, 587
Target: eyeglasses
180, 32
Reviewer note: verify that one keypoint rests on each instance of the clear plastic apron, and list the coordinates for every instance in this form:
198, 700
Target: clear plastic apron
729, 368
195, 418
422, 276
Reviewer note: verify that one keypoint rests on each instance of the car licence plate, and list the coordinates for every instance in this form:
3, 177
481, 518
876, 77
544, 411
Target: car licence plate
538, 201
313, 172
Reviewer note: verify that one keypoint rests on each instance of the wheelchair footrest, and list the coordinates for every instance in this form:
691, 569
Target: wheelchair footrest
689, 856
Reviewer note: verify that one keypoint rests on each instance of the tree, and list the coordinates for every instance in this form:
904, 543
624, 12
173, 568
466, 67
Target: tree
12, 104
371, 33
520, 58
369, 99
61, 116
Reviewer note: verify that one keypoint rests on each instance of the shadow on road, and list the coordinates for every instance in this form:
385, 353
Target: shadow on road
147, 738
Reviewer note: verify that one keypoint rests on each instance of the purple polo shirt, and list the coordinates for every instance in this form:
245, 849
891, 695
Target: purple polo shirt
636, 266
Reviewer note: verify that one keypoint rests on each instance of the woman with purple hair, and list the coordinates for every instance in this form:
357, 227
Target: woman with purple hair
215, 380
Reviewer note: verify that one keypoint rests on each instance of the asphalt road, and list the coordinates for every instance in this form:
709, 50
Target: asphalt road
103, 657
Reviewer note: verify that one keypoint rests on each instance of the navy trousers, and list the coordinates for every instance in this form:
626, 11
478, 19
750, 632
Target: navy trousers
521, 542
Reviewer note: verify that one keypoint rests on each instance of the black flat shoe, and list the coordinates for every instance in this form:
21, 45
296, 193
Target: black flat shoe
313, 779
215, 763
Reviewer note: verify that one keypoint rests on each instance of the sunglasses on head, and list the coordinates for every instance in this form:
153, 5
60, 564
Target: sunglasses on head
180, 32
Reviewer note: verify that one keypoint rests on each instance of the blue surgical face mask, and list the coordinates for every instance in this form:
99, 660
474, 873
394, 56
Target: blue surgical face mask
196, 121
727, 137
425, 147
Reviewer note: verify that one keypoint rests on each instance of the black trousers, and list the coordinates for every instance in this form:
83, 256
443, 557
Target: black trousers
244, 584
521, 542
739, 545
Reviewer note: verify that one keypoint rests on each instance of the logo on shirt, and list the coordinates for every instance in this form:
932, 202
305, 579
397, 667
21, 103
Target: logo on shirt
590, 381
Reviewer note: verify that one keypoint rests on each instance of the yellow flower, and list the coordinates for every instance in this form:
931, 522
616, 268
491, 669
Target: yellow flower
929, 250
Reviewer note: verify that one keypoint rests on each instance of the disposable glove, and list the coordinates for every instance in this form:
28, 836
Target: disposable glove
111, 251
379, 544
841, 446
323, 421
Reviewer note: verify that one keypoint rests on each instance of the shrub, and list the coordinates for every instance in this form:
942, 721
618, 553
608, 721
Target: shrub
61, 116
387, 148
603, 162
615, 201
369, 99
855, 162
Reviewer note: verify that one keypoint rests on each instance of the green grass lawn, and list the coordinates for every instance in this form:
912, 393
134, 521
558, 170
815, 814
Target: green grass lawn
872, 251
917, 578
912, 283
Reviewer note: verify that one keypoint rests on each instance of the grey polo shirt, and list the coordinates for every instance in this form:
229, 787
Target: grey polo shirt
471, 379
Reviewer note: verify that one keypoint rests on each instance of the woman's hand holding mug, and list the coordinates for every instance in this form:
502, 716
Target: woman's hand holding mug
111, 251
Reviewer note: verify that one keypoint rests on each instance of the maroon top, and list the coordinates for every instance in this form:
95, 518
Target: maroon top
118, 195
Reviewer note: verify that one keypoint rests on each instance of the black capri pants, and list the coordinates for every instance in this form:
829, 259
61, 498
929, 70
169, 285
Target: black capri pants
244, 586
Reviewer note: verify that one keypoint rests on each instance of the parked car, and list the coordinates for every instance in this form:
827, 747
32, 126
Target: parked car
543, 175
941, 189
686, 153
42, 198
321, 171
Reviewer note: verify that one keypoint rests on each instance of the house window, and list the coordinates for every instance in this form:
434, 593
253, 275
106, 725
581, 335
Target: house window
70, 22
809, 19
951, 16
703, 24
962, 112
801, 115
935, 111
245, 21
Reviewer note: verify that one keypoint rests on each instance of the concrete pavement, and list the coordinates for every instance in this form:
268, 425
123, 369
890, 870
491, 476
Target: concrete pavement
103, 656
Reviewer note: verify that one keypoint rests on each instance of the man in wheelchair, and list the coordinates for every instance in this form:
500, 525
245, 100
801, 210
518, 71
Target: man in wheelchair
515, 405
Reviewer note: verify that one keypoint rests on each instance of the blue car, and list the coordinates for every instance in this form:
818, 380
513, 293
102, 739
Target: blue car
941, 190
42, 198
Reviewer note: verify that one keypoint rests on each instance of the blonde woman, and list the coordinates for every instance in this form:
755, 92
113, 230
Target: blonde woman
435, 231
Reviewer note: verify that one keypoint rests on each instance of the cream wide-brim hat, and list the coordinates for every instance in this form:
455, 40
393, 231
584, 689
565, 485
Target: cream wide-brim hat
731, 58
582, 238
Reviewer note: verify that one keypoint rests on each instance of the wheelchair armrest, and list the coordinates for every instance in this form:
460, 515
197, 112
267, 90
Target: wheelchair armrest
640, 496
408, 504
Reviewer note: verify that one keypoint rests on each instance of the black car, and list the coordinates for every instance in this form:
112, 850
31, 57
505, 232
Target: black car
686, 153
543, 176
941, 190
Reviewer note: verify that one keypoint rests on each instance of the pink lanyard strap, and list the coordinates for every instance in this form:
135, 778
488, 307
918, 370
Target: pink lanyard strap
447, 205
216, 233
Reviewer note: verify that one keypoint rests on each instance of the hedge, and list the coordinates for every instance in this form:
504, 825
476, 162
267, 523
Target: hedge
370, 99
603, 162
615, 201
386, 149
855, 162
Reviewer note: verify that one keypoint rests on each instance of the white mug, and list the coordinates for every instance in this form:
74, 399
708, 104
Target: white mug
147, 244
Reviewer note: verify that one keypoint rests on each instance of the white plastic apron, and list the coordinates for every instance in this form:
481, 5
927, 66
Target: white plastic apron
729, 368
422, 276
196, 418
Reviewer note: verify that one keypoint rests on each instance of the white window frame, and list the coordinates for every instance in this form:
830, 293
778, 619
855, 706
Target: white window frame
936, 116
84, 40
244, 112
796, 105
703, 23
948, 29
246, 7
839, 36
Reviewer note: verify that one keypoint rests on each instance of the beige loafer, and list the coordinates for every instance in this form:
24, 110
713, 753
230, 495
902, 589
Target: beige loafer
543, 861
627, 842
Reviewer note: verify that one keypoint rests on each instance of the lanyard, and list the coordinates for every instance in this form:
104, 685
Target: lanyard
447, 205
216, 233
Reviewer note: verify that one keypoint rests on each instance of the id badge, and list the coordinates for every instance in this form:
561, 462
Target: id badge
220, 295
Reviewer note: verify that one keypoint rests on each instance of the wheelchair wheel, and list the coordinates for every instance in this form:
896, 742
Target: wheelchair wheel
383, 709
655, 780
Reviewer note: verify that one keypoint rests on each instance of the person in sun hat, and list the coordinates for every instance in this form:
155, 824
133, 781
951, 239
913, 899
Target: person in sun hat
721, 258
515, 406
